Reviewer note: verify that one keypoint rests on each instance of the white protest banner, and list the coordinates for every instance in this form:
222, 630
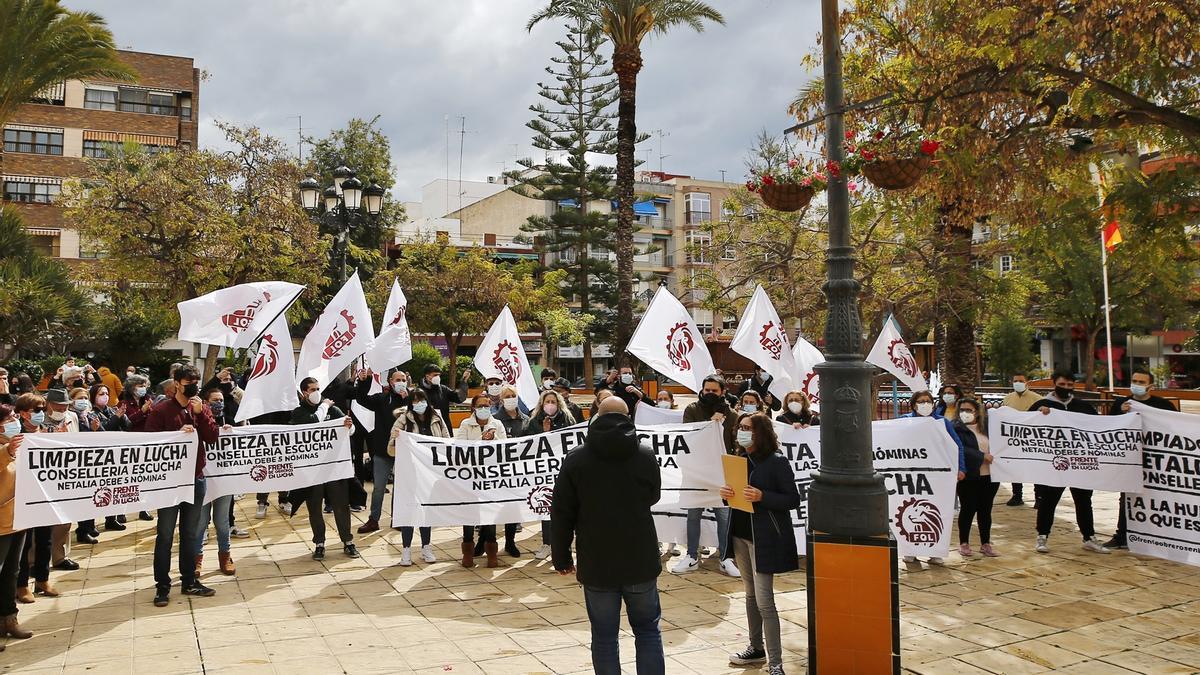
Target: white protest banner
446, 481
671, 527
270, 386
1164, 520
276, 457
68, 477
1066, 449
919, 462
501, 355
807, 358
892, 354
651, 415
762, 338
668, 341
341, 334
235, 316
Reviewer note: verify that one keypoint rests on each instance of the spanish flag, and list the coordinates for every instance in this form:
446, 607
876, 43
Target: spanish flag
1112, 236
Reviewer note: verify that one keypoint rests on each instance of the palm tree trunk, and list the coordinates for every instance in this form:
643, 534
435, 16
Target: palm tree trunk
957, 354
627, 62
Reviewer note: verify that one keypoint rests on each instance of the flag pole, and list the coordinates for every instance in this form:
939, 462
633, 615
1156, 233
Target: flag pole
1107, 310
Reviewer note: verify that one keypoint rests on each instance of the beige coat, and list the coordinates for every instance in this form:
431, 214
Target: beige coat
407, 421
8, 487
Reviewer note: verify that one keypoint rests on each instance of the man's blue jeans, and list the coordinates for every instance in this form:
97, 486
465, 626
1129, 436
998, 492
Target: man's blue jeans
188, 517
693, 531
604, 613
381, 467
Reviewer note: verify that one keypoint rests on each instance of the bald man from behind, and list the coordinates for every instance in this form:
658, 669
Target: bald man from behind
602, 501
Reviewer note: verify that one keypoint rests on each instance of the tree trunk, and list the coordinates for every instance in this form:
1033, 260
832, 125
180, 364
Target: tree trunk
627, 62
452, 368
587, 359
210, 362
956, 355
1089, 360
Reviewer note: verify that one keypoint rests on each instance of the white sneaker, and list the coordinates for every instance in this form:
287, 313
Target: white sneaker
542, 553
729, 569
287, 509
427, 554
261, 511
1094, 546
238, 498
910, 558
936, 561
672, 549
239, 533
685, 564
1041, 546
406, 557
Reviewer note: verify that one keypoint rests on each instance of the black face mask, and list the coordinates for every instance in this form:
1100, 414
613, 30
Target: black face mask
1063, 393
226, 387
710, 398
190, 390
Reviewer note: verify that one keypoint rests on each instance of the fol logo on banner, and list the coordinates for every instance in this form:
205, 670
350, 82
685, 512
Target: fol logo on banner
258, 473
507, 362
267, 359
772, 339
919, 521
812, 388
123, 494
340, 339
540, 499
1061, 463
680, 344
902, 358
240, 319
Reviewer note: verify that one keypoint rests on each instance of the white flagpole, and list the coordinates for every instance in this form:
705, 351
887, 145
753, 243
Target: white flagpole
1107, 312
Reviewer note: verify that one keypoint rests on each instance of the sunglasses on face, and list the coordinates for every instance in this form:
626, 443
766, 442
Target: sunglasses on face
38, 410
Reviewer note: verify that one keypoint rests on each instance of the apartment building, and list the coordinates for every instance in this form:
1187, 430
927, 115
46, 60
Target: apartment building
48, 139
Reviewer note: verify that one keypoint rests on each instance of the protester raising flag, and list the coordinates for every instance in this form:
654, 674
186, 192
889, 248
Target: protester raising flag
668, 341
502, 356
892, 354
807, 357
269, 387
762, 338
235, 316
341, 334
392, 348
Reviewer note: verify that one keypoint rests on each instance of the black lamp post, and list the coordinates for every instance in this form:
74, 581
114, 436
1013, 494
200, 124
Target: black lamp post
342, 205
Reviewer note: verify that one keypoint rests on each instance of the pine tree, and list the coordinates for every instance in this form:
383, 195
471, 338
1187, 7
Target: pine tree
573, 125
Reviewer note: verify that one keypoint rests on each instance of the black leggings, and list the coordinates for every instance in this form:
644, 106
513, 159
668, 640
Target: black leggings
975, 497
1047, 500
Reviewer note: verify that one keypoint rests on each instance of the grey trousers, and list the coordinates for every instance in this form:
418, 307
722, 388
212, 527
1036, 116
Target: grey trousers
760, 603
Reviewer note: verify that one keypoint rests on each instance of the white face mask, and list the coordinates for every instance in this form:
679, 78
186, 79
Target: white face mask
924, 408
795, 407
966, 417
749, 408
510, 403
81, 404
494, 389
420, 407
664, 404
1019, 387
435, 380
949, 398
547, 384
483, 414
399, 386
626, 378
140, 392
57, 416
745, 438
314, 397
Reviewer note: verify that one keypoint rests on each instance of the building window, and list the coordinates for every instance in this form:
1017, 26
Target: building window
729, 253
698, 207
31, 193
697, 247
729, 324
99, 149
185, 107
1006, 264
46, 244
149, 102
90, 250
100, 99
38, 142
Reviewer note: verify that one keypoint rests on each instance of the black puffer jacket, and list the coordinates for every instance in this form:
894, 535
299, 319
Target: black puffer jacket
384, 405
775, 549
602, 499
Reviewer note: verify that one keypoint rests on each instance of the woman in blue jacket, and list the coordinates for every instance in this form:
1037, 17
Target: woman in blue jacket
923, 406
763, 542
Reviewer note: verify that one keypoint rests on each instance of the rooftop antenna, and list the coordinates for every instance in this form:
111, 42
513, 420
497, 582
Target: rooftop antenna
299, 137
446, 121
661, 134
462, 137
722, 174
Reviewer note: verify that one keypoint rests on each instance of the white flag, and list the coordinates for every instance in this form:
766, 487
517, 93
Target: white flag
393, 347
892, 354
762, 338
807, 357
235, 316
668, 341
341, 334
502, 355
270, 387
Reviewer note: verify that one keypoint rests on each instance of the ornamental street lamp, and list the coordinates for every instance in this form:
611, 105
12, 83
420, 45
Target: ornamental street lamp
342, 206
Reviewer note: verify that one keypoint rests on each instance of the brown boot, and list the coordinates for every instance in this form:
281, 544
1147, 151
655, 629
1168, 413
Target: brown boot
468, 554
13, 629
226, 562
371, 525
199, 563
491, 549
44, 588
24, 596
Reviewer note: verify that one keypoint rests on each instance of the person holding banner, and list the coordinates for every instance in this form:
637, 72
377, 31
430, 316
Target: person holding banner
1047, 496
976, 492
1020, 398
948, 397
665, 399
12, 542
514, 420
220, 510
923, 406
550, 414
420, 418
336, 493
31, 410
480, 426
385, 406
798, 411
711, 406
763, 542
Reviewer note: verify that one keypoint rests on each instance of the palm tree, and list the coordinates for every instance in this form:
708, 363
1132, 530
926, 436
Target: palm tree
43, 43
626, 23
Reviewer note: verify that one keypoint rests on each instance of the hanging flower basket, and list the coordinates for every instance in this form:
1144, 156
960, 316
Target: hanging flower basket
897, 174
786, 196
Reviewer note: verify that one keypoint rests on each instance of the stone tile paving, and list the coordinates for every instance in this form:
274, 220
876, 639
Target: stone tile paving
1068, 611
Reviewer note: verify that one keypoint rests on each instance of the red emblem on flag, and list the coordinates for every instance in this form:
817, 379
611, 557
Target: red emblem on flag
240, 320
339, 340
507, 362
902, 358
812, 388
399, 316
679, 344
772, 339
267, 358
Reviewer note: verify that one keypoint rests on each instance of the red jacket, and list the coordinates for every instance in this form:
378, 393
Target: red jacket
168, 415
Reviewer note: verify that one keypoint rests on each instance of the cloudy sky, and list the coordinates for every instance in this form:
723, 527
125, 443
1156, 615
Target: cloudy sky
416, 62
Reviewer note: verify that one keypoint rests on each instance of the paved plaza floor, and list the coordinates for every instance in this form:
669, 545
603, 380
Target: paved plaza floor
1068, 611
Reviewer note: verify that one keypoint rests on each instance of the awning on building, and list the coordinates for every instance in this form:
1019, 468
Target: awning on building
115, 137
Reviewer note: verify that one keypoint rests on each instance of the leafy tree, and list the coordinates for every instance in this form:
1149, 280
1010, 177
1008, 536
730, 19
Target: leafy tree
192, 222
42, 309
43, 43
625, 23
423, 354
134, 320
575, 121
1007, 340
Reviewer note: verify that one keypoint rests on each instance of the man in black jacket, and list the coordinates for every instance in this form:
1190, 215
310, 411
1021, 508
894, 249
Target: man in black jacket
624, 385
616, 540
1140, 382
313, 408
761, 383
439, 395
386, 406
